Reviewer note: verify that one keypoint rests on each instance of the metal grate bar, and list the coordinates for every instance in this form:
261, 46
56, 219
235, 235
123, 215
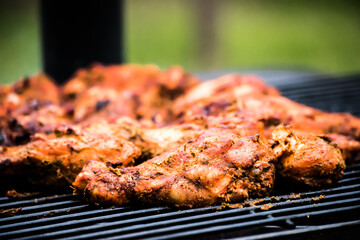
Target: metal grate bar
352, 173
328, 94
219, 215
23, 203
187, 230
117, 224
67, 217
339, 95
51, 206
321, 87
33, 219
306, 230
72, 224
336, 191
348, 180
310, 82
106, 211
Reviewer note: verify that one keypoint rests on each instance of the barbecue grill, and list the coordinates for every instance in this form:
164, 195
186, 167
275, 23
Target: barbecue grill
289, 213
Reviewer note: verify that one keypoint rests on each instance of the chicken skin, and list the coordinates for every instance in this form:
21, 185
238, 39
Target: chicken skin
216, 167
98, 104
350, 148
153, 140
124, 142
146, 92
229, 87
311, 160
55, 160
343, 129
273, 110
29, 106
35, 117
38, 87
131, 133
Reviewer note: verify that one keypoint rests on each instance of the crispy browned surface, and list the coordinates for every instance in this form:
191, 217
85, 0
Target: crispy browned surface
30, 105
343, 129
227, 88
153, 140
130, 114
310, 160
38, 87
349, 147
56, 159
121, 142
273, 110
37, 117
37, 105
142, 92
217, 167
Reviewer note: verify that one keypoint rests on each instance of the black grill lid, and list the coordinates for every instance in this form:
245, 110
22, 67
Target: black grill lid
318, 214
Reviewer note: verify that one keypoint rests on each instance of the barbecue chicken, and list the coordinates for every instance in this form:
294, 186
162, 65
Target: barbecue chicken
137, 133
311, 160
216, 167
54, 160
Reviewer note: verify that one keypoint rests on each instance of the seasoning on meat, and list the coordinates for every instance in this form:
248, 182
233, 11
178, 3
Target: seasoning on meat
138, 133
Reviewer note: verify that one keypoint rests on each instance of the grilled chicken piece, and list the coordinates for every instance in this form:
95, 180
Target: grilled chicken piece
29, 106
35, 117
151, 140
349, 147
259, 102
99, 103
94, 117
311, 160
37, 87
216, 167
154, 140
74, 145
302, 117
273, 110
119, 77
148, 91
56, 159
227, 88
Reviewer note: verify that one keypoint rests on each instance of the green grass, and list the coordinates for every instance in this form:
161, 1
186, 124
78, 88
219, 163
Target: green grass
317, 35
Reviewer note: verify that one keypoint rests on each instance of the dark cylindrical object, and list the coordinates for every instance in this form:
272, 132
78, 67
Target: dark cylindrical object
78, 33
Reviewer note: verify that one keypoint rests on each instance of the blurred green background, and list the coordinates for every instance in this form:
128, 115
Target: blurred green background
202, 35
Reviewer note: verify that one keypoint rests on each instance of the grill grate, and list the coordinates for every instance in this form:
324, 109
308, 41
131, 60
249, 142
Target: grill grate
323, 213
336, 94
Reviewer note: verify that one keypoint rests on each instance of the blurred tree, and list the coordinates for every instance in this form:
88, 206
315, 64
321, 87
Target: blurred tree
205, 20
